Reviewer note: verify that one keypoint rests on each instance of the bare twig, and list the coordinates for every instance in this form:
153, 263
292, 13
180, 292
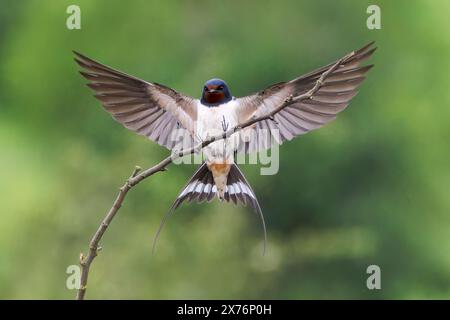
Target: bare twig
138, 175
85, 261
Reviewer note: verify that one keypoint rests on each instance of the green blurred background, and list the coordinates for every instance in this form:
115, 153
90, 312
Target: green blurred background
370, 188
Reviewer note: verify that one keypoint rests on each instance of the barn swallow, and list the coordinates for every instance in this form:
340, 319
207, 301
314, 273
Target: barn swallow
155, 111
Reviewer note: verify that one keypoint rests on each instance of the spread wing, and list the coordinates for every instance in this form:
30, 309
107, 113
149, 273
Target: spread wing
149, 109
299, 118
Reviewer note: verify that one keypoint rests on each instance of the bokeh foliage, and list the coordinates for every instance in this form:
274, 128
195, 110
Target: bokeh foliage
370, 188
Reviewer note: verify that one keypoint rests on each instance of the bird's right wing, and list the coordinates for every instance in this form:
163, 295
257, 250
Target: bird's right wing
149, 109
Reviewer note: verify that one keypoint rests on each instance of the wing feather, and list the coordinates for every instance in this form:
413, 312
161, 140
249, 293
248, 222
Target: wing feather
149, 109
301, 117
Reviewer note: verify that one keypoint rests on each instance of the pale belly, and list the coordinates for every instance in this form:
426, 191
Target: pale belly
214, 121
219, 155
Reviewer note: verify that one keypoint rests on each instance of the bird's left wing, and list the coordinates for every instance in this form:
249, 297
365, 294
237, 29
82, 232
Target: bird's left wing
301, 117
149, 109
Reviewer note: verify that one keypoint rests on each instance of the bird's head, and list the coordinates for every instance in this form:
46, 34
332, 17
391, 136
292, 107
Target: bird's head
215, 92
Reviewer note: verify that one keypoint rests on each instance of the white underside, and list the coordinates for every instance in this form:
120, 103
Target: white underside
210, 122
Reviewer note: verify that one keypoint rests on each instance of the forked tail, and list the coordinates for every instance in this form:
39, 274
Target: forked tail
201, 188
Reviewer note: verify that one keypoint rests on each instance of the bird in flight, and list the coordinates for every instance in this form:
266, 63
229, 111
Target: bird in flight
156, 111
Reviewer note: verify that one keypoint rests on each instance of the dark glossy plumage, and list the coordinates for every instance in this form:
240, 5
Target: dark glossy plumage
215, 92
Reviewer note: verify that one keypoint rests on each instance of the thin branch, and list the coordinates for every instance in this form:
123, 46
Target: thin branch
94, 248
138, 175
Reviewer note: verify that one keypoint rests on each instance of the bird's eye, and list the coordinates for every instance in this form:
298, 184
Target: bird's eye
205, 88
220, 87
